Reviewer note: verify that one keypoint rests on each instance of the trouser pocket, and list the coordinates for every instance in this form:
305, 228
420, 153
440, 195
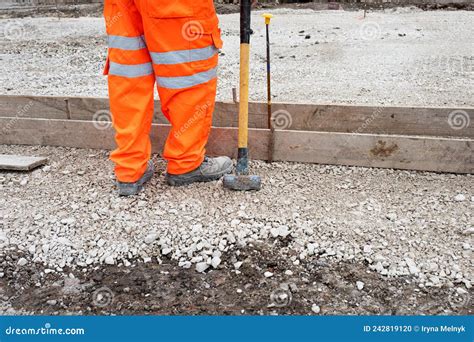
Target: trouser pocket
204, 42
165, 9
190, 48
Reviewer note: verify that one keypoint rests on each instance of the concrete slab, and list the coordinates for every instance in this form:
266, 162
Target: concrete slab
20, 163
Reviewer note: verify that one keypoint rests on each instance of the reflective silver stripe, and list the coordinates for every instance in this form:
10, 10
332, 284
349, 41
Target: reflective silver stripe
136, 70
186, 81
183, 56
127, 43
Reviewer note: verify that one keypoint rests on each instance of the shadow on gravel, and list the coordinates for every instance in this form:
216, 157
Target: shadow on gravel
316, 286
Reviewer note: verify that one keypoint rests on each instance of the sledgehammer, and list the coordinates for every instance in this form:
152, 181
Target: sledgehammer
242, 180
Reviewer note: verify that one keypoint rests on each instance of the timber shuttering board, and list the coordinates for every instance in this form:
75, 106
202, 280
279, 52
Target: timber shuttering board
352, 149
420, 121
390, 137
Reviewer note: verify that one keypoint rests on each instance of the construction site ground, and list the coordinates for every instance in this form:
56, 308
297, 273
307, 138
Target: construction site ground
316, 239
403, 56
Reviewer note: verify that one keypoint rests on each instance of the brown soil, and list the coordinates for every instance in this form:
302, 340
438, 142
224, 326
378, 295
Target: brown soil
168, 289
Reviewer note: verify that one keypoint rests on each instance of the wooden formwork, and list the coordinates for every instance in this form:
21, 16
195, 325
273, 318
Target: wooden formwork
412, 138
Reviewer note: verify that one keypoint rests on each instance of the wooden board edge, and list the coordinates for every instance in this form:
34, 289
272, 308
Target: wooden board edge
344, 118
454, 155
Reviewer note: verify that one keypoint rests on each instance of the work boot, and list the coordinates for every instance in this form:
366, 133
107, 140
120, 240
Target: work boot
129, 189
211, 169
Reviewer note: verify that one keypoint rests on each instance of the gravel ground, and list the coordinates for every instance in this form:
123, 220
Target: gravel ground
399, 223
399, 57
351, 240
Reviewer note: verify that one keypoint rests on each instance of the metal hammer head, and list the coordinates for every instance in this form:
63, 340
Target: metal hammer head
242, 182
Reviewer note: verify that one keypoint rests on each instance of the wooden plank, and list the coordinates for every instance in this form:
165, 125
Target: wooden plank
301, 117
384, 151
33, 106
84, 134
378, 119
368, 150
20, 163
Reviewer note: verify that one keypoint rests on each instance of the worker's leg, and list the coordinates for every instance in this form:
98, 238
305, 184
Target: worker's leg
131, 84
183, 39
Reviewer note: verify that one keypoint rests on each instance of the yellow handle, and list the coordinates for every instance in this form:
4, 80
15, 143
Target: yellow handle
244, 95
267, 17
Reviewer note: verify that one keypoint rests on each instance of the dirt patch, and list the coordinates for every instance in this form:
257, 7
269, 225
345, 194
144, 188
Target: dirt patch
447, 7
381, 149
334, 288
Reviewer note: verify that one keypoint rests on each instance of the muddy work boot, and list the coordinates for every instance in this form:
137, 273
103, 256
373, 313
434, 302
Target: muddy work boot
130, 189
211, 169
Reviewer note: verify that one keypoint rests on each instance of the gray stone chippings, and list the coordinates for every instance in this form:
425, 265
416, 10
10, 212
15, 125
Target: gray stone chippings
390, 58
399, 223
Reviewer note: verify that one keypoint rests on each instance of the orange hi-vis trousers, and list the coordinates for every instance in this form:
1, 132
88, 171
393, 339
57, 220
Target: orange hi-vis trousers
173, 43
